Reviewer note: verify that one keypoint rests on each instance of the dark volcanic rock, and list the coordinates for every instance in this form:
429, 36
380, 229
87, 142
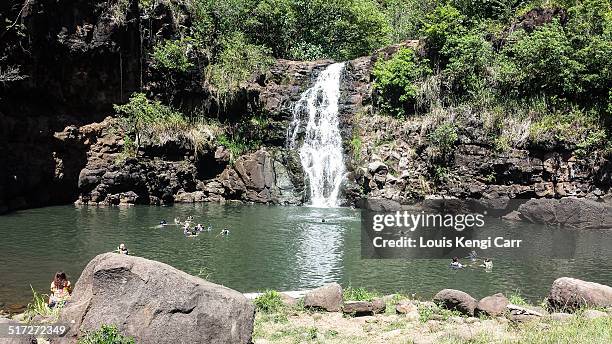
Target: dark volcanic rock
571, 293
573, 212
155, 303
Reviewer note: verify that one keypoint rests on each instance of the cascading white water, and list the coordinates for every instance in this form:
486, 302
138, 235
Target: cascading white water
321, 150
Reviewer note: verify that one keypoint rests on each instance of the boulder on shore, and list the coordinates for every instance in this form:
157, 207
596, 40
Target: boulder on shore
155, 303
493, 305
327, 297
362, 308
570, 294
456, 300
572, 212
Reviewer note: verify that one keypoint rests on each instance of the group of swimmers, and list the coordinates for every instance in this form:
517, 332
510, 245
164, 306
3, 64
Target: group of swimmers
473, 256
194, 231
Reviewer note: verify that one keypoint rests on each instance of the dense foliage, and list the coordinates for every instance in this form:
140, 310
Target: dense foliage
534, 72
553, 78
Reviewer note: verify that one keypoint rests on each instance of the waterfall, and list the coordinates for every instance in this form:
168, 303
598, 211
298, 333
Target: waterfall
321, 148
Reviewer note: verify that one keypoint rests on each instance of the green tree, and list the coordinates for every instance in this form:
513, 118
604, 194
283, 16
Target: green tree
540, 62
273, 24
444, 22
469, 57
341, 29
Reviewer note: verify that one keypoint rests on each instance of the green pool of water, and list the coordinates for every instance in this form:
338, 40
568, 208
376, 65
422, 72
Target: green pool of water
269, 247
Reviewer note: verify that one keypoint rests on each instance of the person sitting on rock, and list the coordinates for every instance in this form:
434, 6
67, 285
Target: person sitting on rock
60, 290
455, 264
122, 249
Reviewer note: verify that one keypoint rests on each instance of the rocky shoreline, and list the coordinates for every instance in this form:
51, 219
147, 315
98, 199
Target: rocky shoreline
129, 292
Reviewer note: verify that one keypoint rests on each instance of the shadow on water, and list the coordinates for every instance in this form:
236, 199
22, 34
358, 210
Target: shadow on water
269, 247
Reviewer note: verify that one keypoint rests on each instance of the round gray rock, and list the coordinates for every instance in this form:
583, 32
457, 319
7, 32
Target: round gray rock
327, 297
456, 300
493, 305
570, 294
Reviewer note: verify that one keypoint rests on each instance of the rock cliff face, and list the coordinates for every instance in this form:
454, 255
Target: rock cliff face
83, 56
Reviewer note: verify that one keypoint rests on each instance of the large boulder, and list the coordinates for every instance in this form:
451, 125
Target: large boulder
570, 294
155, 303
327, 297
493, 305
572, 212
456, 300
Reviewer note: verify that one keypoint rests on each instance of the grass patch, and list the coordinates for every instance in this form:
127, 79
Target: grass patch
436, 313
39, 306
576, 330
359, 294
269, 302
516, 299
107, 334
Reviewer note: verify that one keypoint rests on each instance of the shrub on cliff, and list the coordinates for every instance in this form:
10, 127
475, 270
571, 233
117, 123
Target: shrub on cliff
443, 139
396, 81
140, 112
237, 62
173, 55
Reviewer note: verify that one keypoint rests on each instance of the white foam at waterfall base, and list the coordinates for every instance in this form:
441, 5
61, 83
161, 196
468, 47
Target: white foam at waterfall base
321, 148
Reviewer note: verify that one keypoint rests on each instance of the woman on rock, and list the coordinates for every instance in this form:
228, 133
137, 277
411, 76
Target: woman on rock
60, 290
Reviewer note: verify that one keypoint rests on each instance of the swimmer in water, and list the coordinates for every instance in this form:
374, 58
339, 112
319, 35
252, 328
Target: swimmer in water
225, 232
163, 223
473, 256
209, 228
323, 220
122, 249
199, 228
488, 264
177, 221
455, 264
